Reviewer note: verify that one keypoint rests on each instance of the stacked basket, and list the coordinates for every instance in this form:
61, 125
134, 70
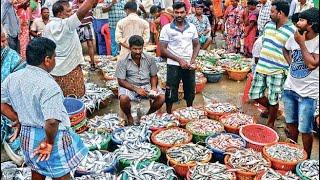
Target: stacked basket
77, 114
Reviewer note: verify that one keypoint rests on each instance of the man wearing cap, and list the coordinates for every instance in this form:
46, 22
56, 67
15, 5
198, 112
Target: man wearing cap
179, 43
301, 88
202, 24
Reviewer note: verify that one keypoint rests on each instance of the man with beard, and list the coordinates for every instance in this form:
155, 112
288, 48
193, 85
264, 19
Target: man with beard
179, 43
272, 67
38, 24
301, 88
137, 78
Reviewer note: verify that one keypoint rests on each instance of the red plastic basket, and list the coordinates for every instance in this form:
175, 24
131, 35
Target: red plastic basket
201, 85
233, 173
259, 176
258, 136
284, 165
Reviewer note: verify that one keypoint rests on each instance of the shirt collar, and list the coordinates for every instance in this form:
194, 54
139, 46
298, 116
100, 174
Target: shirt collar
173, 25
129, 57
35, 68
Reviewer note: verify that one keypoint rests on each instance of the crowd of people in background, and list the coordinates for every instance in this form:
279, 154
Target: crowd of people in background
282, 37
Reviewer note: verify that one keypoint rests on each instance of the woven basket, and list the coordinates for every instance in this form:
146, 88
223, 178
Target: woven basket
182, 169
243, 175
164, 147
238, 75
284, 165
257, 130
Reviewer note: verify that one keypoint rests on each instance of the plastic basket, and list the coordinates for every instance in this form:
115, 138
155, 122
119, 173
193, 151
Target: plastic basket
141, 165
213, 77
218, 154
184, 121
299, 173
201, 85
103, 145
259, 175
280, 164
228, 128
73, 106
198, 137
182, 169
188, 177
238, 75
119, 142
265, 135
123, 163
164, 147
243, 175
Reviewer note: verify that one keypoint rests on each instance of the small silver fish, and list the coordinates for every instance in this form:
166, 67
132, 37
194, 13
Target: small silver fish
310, 169
285, 152
271, 174
96, 162
237, 119
156, 120
210, 171
221, 108
224, 141
132, 134
172, 136
136, 151
189, 153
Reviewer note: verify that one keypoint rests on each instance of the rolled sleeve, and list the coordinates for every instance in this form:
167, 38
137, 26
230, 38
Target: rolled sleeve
121, 70
51, 104
153, 67
164, 34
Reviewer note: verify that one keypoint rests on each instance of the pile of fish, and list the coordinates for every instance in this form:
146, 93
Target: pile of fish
285, 152
100, 176
172, 136
274, 175
310, 169
96, 162
211, 171
189, 153
136, 151
199, 77
152, 171
156, 120
221, 108
92, 139
108, 68
209, 68
205, 126
105, 123
248, 160
131, 134
95, 95
162, 72
190, 113
237, 120
112, 84
225, 142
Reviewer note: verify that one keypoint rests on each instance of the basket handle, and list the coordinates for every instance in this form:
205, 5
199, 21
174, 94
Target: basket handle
73, 96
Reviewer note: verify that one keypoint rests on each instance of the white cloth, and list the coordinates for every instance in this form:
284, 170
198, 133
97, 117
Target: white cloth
293, 5
306, 6
69, 51
179, 43
257, 46
300, 79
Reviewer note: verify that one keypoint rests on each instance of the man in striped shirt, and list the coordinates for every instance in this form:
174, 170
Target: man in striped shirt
272, 67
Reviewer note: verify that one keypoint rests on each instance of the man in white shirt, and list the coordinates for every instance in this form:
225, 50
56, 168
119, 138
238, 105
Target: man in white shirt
303, 5
39, 24
179, 43
301, 88
62, 30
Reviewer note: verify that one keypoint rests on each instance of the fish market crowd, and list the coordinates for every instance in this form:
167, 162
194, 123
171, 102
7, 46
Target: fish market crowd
159, 52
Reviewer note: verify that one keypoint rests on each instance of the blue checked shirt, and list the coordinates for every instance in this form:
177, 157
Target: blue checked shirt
264, 16
35, 96
116, 13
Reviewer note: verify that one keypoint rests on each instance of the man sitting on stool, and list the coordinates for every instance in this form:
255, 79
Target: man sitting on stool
137, 78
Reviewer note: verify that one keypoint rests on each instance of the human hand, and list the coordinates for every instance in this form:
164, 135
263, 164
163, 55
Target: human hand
183, 64
192, 65
114, 1
17, 127
300, 38
44, 151
142, 92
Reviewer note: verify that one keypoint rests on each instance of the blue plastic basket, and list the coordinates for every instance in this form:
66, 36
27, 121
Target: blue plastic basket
73, 105
218, 154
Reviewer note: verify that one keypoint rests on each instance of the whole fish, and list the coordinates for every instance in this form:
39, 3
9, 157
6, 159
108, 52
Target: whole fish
172, 136
136, 151
105, 123
96, 162
225, 142
156, 120
189, 153
285, 152
205, 126
153, 171
310, 169
112, 84
92, 139
271, 174
132, 134
190, 113
209, 171
237, 120
248, 160
95, 95
97, 176
221, 108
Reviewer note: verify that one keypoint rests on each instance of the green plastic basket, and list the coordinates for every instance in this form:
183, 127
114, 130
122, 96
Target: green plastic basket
199, 138
299, 173
140, 166
103, 145
123, 163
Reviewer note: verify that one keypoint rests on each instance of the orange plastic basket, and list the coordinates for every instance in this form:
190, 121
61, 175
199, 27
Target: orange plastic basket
233, 174
238, 75
228, 128
200, 86
284, 165
259, 176
258, 136
243, 175
164, 147
184, 121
